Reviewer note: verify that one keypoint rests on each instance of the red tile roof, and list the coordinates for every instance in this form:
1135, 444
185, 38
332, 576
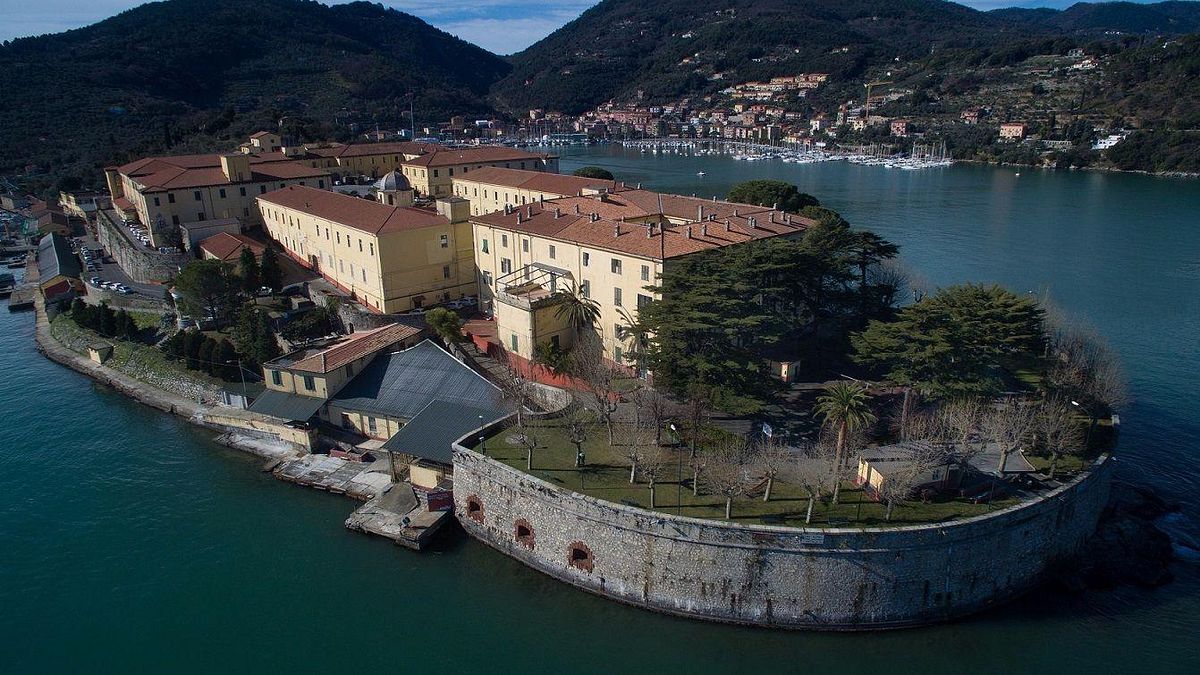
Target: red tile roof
540, 181
361, 214
352, 348
156, 174
622, 223
228, 246
483, 154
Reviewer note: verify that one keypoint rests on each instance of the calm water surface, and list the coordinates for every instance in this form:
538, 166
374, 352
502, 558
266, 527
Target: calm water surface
129, 542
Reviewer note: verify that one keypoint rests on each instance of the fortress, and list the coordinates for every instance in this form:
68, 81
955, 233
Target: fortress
786, 577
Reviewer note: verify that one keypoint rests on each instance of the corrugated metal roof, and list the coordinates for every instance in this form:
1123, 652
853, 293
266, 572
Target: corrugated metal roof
430, 434
286, 406
55, 257
403, 383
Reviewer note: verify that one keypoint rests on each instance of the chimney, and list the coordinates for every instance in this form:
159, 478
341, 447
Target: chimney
639, 185
753, 222
577, 211
787, 218
616, 229
650, 231
688, 233
518, 217
529, 211
700, 212
541, 198
557, 212
507, 209
775, 206
735, 212
726, 224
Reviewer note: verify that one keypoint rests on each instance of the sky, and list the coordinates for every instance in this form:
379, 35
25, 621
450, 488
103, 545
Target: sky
500, 26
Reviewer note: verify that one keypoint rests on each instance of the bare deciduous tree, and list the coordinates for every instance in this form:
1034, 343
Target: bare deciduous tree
650, 407
524, 437
812, 470
578, 426
601, 378
654, 467
1059, 430
699, 463
516, 392
904, 476
772, 458
1009, 425
728, 471
635, 444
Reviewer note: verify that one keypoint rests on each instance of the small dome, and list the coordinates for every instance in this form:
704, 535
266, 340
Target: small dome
392, 182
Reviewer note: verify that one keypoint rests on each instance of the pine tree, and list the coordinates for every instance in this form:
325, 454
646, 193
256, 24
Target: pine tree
272, 272
249, 271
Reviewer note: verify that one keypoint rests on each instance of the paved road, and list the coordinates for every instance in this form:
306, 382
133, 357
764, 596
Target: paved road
113, 272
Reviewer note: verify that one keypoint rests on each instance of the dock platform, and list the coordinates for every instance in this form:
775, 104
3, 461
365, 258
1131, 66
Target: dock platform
362, 481
386, 515
21, 299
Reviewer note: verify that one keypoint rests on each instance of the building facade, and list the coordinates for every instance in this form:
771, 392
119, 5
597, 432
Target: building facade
389, 258
609, 248
494, 188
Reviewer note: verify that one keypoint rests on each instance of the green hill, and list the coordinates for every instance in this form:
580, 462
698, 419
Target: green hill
671, 48
185, 74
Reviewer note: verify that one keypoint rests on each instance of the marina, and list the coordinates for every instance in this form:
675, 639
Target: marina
919, 156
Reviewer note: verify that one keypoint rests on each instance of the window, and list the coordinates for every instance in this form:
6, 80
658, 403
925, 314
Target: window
245, 211
196, 194
339, 236
475, 509
525, 245
617, 297
487, 279
504, 241
616, 265
309, 383
321, 183
262, 189
364, 274
552, 251
371, 246
371, 424
360, 245
174, 220
349, 370
327, 234
156, 201
523, 533
242, 191
643, 300
435, 173
485, 250
505, 266
451, 171
513, 342
444, 240
200, 215
587, 258
276, 378
445, 271
222, 193
579, 555
171, 197
645, 273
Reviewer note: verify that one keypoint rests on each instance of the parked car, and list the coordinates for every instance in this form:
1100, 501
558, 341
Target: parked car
265, 291
95, 281
185, 322
124, 290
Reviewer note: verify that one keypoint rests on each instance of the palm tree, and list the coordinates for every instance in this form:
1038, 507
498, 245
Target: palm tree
846, 408
579, 312
636, 339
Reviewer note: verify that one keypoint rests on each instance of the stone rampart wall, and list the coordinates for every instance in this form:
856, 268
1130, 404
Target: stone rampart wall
141, 264
834, 579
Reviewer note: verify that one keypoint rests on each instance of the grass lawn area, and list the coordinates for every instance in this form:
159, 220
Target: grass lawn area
146, 320
606, 476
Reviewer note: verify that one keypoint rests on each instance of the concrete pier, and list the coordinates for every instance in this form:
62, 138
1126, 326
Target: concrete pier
401, 516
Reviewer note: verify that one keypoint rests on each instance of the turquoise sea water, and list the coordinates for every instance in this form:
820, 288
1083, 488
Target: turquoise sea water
131, 543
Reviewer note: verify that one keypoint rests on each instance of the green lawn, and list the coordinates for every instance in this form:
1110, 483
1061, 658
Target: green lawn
606, 476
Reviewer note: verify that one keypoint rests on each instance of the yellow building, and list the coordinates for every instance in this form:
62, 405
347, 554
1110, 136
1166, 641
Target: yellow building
494, 188
389, 258
299, 383
433, 172
607, 247
163, 193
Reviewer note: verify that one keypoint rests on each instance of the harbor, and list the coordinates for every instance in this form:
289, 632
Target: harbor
919, 156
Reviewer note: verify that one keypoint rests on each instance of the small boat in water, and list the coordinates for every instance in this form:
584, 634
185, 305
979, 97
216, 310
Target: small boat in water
701, 173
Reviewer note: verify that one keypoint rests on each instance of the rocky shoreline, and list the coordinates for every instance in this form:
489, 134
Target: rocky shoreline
1128, 549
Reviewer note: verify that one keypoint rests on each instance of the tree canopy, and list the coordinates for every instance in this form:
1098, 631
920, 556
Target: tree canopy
593, 172
777, 193
956, 342
208, 288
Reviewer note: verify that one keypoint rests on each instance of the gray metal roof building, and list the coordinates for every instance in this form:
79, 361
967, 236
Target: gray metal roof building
55, 258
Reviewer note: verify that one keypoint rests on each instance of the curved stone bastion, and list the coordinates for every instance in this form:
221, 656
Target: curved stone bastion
829, 579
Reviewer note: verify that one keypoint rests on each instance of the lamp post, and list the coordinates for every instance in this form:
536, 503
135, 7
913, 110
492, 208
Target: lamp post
1087, 441
679, 475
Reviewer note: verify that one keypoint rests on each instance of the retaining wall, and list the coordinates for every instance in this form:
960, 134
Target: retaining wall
142, 265
834, 579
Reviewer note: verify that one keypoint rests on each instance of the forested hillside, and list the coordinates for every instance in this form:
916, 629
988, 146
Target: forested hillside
189, 73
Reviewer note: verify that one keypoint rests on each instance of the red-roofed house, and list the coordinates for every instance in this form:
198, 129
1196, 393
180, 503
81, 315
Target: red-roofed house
227, 246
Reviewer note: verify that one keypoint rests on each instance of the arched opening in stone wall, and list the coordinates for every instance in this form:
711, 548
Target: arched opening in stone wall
475, 509
580, 557
523, 533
